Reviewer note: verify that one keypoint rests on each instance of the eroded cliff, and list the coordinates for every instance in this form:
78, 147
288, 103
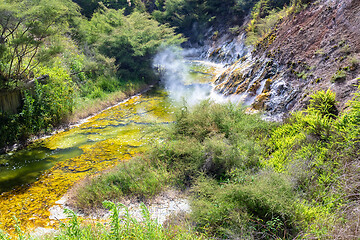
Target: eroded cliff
315, 49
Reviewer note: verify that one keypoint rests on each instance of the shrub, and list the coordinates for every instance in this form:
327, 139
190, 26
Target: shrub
211, 139
259, 207
108, 85
97, 92
318, 126
323, 103
354, 63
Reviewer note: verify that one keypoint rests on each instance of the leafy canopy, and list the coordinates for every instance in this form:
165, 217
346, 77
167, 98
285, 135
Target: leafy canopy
26, 31
131, 40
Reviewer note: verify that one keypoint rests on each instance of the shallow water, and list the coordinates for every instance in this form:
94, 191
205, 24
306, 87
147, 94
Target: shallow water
33, 179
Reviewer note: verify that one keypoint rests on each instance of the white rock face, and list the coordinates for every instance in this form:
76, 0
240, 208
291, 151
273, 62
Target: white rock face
57, 211
161, 208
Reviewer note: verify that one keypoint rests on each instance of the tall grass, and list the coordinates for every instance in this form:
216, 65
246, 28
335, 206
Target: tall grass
136, 178
252, 179
211, 139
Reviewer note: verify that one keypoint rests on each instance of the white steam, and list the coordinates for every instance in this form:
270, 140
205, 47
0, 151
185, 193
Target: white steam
176, 78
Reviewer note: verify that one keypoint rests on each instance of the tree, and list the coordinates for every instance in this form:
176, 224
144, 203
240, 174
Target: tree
26, 29
131, 40
89, 7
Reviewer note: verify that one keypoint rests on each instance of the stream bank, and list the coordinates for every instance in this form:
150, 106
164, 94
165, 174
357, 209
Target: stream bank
73, 154
83, 113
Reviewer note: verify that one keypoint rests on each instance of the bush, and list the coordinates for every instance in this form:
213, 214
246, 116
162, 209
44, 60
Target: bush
317, 149
211, 139
44, 106
324, 104
97, 92
108, 85
259, 207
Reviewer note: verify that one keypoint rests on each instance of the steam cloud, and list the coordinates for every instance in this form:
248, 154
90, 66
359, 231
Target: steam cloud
175, 73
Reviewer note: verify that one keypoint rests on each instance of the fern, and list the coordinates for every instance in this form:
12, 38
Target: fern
323, 103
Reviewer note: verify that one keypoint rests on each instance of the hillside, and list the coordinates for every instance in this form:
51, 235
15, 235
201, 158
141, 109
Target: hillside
315, 49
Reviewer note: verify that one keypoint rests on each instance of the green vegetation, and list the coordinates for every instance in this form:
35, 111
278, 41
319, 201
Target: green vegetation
78, 52
340, 75
135, 178
323, 103
314, 149
60, 60
130, 40
247, 177
191, 17
354, 63
195, 16
212, 139
266, 14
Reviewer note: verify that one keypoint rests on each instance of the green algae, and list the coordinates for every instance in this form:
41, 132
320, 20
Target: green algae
203, 72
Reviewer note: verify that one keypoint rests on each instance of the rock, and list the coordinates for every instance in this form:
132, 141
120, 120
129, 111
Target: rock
299, 58
57, 213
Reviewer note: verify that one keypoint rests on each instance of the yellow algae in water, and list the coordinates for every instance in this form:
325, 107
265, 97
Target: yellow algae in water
64, 139
114, 135
30, 204
117, 116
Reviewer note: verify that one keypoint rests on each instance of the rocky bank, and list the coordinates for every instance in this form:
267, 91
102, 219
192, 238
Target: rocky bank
315, 49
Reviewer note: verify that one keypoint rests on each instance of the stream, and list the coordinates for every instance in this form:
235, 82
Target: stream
34, 178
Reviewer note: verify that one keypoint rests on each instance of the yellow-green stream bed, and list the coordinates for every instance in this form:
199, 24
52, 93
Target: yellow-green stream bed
47, 169
33, 179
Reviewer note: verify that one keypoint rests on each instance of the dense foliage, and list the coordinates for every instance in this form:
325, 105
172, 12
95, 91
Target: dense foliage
29, 31
130, 40
59, 59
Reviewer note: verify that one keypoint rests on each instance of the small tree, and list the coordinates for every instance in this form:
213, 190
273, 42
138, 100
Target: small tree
26, 29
